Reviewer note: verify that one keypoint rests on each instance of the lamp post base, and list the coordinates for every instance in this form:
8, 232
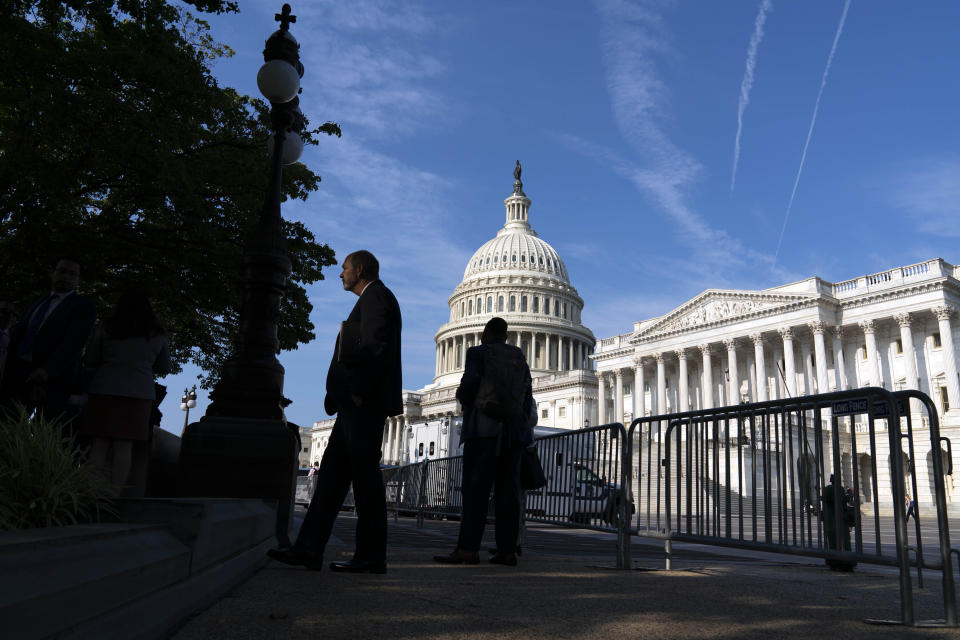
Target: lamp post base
225, 457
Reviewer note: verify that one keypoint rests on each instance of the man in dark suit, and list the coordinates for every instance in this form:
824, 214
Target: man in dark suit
491, 454
46, 344
363, 389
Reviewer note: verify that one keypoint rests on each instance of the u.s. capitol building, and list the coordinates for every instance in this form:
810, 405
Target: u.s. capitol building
894, 329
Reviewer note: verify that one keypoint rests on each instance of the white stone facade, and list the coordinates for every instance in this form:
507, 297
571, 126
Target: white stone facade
896, 329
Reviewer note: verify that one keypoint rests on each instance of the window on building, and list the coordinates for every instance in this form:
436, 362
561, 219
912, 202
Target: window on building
489, 304
562, 412
305, 449
899, 345
495, 259
544, 413
646, 387
546, 306
936, 340
626, 388
431, 448
513, 303
470, 307
830, 357
500, 304
536, 304
514, 259
420, 451
523, 257
523, 304
944, 399
556, 308
564, 310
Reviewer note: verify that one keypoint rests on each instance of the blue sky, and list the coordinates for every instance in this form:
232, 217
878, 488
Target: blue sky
625, 117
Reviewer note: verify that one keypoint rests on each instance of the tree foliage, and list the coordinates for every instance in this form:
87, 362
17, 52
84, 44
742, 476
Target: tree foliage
118, 146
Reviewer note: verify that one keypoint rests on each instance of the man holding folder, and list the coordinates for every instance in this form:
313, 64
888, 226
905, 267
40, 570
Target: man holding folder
363, 389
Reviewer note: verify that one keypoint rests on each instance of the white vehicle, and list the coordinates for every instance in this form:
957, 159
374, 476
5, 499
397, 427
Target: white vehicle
433, 439
574, 491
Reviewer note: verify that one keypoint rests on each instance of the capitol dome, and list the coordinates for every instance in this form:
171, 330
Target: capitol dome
518, 276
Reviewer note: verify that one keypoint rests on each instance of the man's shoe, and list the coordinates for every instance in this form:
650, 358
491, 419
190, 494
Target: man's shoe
358, 566
459, 556
508, 559
297, 558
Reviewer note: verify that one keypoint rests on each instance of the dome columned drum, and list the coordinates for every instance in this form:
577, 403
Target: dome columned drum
521, 278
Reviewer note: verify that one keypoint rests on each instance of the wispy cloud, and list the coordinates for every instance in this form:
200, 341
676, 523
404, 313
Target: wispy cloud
813, 121
747, 83
930, 193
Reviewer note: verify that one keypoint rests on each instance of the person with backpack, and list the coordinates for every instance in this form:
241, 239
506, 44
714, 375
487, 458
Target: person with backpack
496, 394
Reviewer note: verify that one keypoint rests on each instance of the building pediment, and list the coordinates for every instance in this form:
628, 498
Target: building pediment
714, 307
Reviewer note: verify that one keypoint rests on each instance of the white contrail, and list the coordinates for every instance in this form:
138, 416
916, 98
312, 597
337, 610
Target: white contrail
813, 121
747, 84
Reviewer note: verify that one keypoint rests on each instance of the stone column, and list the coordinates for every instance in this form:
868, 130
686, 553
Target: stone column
436, 368
388, 450
638, 401
553, 412
707, 377
805, 355
909, 354
601, 398
684, 384
733, 379
661, 384
839, 361
820, 353
570, 362
789, 365
943, 314
618, 397
761, 367
871, 339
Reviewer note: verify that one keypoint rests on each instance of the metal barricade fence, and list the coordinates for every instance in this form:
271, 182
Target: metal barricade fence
758, 476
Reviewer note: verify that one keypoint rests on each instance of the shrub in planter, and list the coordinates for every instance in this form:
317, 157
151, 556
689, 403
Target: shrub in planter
44, 481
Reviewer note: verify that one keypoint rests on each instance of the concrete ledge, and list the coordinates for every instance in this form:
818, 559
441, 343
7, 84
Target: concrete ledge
213, 528
168, 558
73, 573
158, 614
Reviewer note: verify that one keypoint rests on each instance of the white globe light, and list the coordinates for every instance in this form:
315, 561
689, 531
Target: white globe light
183, 406
278, 81
292, 147
191, 403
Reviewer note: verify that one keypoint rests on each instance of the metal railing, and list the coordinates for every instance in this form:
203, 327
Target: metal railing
759, 476
755, 476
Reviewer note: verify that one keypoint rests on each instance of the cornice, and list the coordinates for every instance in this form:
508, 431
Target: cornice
774, 304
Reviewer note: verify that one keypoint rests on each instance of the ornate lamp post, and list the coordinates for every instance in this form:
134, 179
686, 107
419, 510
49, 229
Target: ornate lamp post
188, 401
244, 424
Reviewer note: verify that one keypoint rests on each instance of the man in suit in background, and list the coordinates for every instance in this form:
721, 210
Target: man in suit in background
46, 344
363, 389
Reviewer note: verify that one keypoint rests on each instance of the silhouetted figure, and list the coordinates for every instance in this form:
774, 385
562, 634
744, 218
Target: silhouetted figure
838, 531
126, 352
363, 389
43, 362
492, 445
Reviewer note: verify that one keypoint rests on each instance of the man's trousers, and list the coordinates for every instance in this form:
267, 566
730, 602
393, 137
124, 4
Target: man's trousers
483, 469
352, 456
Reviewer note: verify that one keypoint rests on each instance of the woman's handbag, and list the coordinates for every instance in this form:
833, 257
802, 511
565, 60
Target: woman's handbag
531, 471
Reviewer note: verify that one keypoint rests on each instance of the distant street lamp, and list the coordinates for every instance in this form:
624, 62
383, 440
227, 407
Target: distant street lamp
188, 401
244, 424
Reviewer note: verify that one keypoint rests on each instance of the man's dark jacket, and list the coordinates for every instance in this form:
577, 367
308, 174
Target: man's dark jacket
477, 424
57, 347
369, 366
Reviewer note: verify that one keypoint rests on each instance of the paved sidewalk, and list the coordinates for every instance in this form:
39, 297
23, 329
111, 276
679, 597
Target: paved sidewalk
562, 589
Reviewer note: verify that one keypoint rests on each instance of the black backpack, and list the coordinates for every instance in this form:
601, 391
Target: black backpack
503, 386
